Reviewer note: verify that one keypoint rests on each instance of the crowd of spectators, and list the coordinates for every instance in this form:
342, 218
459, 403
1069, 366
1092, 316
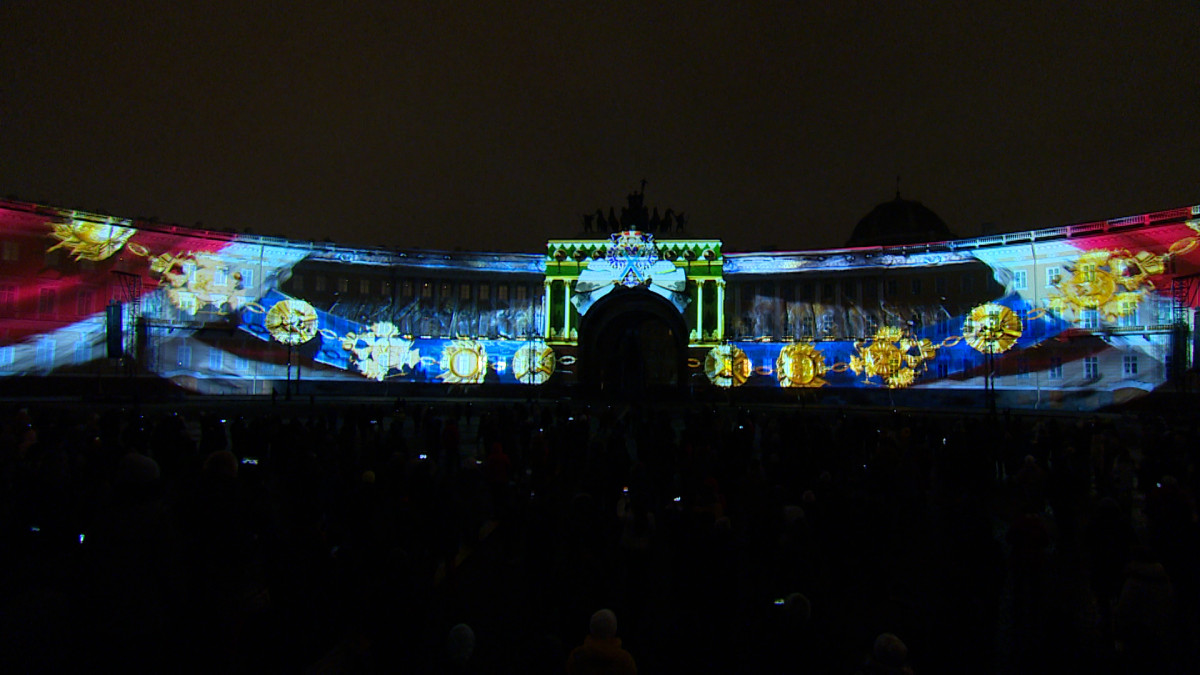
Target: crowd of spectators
485, 537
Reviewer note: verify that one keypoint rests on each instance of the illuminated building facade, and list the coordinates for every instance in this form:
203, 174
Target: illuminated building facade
1077, 316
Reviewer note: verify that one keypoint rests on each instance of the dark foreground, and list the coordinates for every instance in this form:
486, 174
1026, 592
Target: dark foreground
352, 536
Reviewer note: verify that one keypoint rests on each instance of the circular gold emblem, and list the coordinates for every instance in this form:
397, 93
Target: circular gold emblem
464, 361
292, 322
991, 328
533, 363
727, 366
800, 365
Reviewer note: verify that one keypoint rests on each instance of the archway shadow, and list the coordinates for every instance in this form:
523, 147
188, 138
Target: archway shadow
633, 344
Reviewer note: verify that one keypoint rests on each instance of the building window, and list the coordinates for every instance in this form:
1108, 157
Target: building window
364, 286
298, 283
1055, 370
826, 291
1129, 365
83, 302
939, 285
83, 351
967, 283
215, 360
11, 251
385, 288
464, 291
1091, 368
406, 289
1168, 361
483, 291
241, 364
943, 369
1053, 275
343, 285
1090, 318
1020, 280
1128, 312
220, 277
44, 356
426, 290
1087, 273
889, 288
46, 302
502, 292
521, 293
1164, 311
319, 284
183, 356
6, 357
8, 297
916, 286
247, 277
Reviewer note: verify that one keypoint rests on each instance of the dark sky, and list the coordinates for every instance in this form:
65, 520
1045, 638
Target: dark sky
495, 125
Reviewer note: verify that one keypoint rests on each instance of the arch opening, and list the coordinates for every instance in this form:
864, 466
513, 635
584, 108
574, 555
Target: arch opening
633, 342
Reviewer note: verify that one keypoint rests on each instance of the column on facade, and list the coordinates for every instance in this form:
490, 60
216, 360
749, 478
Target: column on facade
566, 332
720, 309
700, 309
546, 286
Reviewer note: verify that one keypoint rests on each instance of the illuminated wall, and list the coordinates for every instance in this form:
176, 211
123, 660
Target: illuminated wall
233, 313
1085, 309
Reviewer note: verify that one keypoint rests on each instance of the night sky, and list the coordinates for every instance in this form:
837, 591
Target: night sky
495, 125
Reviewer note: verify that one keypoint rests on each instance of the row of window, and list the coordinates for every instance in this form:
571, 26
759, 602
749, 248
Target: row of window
941, 284
410, 288
48, 304
1090, 365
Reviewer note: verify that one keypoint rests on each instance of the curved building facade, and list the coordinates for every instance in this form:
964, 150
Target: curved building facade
1077, 316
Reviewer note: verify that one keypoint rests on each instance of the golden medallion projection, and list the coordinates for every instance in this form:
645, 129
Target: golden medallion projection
992, 328
1078, 315
727, 366
292, 322
800, 365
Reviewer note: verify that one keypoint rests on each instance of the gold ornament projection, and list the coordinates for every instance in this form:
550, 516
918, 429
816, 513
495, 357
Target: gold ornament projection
88, 240
893, 356
533, 363
292, 322
727, 366
198, 281
991, 328
381, 349
800, 365
464, 362
1110, 282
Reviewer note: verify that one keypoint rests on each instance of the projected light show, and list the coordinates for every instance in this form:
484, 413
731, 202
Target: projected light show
1086, 313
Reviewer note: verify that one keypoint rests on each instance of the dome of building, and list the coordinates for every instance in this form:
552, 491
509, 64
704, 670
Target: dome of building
898, 222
